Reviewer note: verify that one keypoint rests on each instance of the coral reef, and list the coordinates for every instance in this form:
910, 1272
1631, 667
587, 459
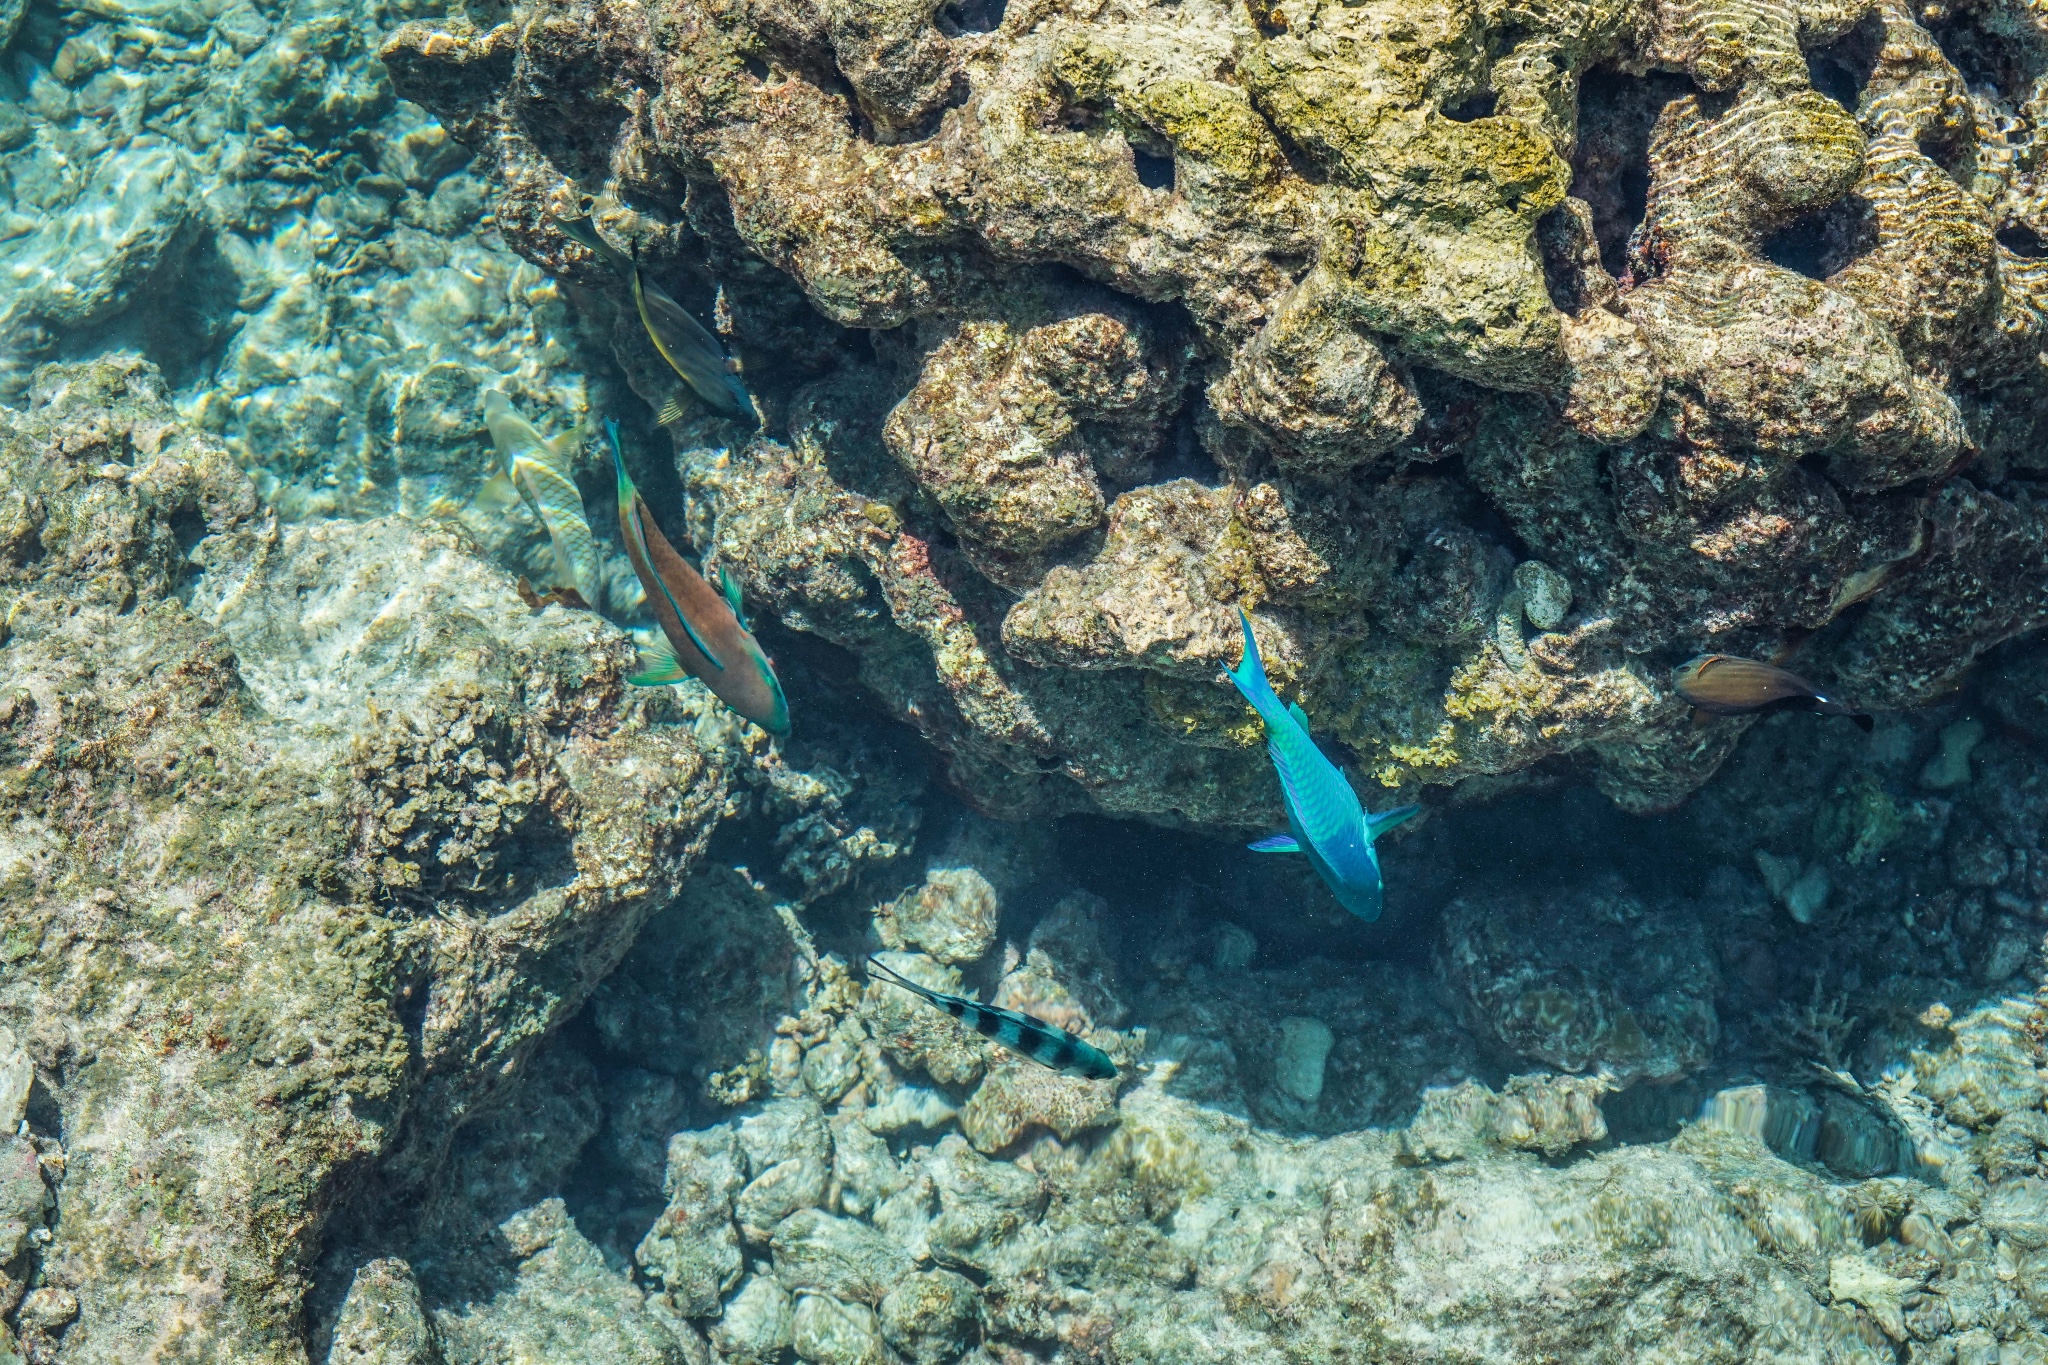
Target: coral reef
1401, 327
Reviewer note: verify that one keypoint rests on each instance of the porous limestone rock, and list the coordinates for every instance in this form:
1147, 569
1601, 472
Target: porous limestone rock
382, 1321
1181, 308
383, 799
1592, 981
693, 1252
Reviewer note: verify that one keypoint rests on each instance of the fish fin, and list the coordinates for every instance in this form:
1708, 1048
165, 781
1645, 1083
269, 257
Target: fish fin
728, 585
1300, 716
1275, 843
672, 411
1250, 673
663, 668
1864, 722
583, 232
497, 493
1376, 825
562, 447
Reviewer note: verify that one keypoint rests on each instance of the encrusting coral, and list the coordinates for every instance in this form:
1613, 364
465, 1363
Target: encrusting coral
1179, 308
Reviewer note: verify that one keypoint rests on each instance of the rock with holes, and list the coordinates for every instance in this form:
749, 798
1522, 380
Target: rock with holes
1592, 982
1135, 318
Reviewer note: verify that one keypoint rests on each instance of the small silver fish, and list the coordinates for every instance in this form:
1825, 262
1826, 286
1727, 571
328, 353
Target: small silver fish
1030, 1038
1728, 685
536, 472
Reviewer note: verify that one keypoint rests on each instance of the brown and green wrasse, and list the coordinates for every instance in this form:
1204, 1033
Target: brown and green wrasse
1033, 1039
688, 347
707, 636
1727, 685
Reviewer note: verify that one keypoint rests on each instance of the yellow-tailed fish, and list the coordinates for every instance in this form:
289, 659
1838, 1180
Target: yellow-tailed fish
707, 636
536, 472
684, 343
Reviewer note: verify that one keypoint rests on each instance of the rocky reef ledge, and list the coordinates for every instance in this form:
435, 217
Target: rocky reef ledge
1496, 359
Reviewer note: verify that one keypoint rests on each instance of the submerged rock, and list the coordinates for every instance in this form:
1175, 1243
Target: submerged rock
1360, 248
383, 791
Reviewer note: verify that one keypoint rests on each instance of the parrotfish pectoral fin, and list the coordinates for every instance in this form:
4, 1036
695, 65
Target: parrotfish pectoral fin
498, 492
1376, 825
731, 589
1300, 716
662, 669
1275, 843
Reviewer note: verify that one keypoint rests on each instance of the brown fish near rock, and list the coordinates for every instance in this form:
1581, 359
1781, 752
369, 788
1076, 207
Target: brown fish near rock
1728, 685
707, 637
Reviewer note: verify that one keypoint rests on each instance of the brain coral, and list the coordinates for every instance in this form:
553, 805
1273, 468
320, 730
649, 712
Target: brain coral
1081, 324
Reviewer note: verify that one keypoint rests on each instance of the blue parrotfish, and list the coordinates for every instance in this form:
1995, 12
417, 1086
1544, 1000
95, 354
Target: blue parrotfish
536, 471
706, 630
688, 347
1324, 817
1033, 1039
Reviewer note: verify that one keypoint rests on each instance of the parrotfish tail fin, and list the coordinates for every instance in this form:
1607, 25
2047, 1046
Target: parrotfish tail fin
583, 232
1250, 674
662, 668
672, 411
1275, 843
1863, 721
728, 585
611, 433
1376, 825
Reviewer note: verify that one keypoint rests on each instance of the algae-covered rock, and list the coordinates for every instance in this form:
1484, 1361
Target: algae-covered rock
1182, 307
1600, 982
381, 790
693, 1252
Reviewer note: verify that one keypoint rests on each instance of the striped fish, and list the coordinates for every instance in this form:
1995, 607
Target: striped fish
1020, 1033
537, 472
1324, 817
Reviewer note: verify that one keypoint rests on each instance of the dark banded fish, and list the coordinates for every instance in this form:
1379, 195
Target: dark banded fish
1020, 1033
1726, 685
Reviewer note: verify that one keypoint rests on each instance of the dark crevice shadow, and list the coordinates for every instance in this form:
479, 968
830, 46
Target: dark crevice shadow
1842, 69
1611, 164
963, 17
1154, 172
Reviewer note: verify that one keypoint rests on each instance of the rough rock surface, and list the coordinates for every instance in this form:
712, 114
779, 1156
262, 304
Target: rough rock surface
1331, 312
311, 837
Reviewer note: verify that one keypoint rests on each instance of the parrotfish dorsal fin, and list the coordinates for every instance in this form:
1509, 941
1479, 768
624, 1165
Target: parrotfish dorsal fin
1376, 825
